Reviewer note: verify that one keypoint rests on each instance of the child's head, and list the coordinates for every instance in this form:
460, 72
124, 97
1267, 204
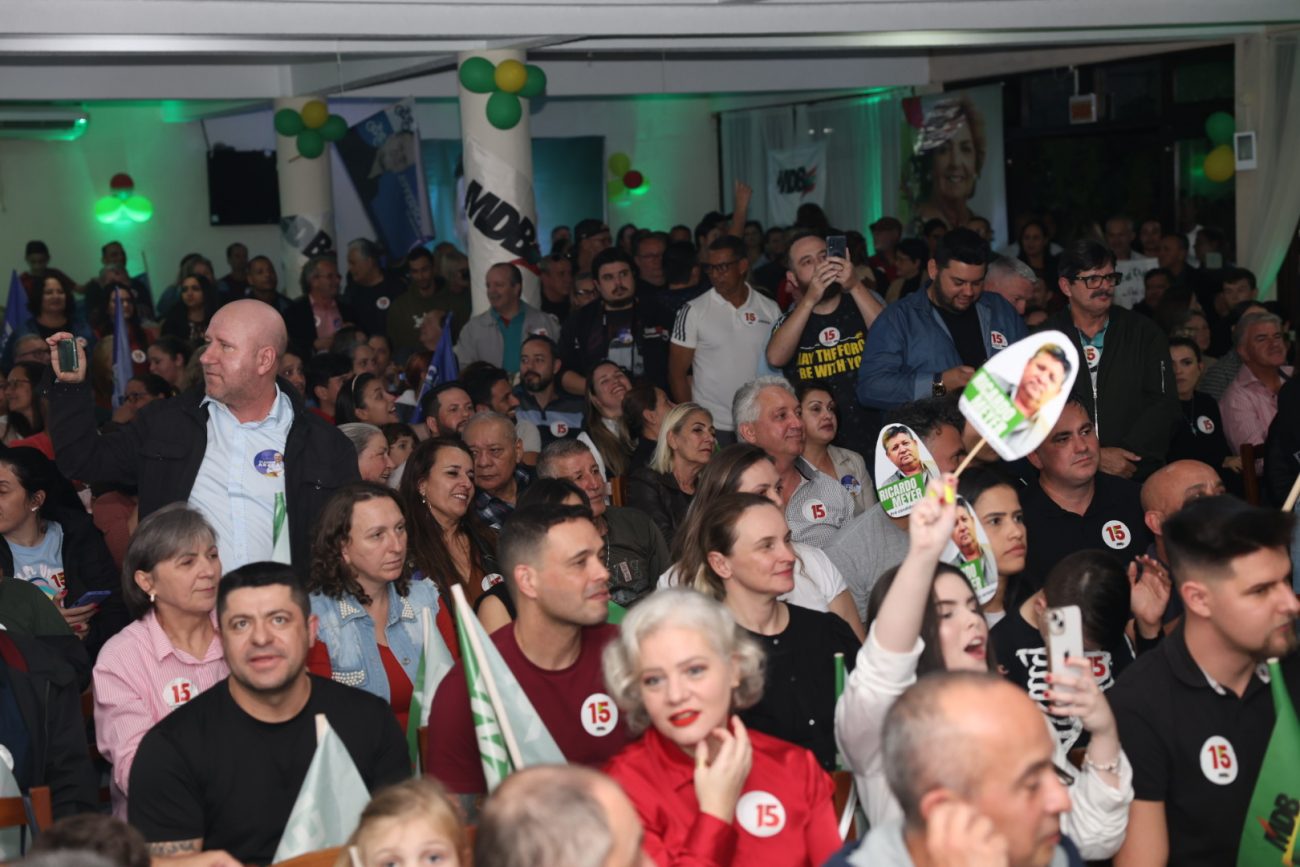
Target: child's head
409, 824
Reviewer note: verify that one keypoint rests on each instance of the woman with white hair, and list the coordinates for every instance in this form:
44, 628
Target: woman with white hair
373, 461
664, 489
680, 670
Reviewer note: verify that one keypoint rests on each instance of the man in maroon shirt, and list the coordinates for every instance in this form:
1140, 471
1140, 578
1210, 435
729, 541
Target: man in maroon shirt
553, 560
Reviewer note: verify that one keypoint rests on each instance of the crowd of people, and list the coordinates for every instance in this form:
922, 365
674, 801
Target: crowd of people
656, 489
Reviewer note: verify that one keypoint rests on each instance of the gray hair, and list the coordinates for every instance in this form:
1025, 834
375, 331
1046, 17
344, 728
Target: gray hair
744, 406
486, 417
161, 536
367, 248
1006, 268
674, 420
545, 816
687, 609
558, 451
309, 270
924, 746
360, 434
1243, 325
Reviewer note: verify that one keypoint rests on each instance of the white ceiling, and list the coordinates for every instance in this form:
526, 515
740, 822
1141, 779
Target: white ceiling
257, 49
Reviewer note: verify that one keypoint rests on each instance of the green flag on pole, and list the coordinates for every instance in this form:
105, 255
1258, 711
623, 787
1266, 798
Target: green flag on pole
435, 662
510, 734
1273, 820
330, 802
280, 531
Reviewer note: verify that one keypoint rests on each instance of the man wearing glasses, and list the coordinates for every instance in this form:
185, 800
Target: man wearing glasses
721, 335
1129, 392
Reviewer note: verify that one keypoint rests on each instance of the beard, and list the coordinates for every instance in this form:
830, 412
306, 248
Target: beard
536, 383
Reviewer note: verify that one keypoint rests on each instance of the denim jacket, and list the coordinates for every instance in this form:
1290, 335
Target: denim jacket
349, 635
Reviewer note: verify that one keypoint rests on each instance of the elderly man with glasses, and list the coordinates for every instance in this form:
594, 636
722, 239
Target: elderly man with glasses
1129, 391
720, 335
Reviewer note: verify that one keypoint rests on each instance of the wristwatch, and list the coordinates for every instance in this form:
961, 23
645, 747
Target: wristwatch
936, 385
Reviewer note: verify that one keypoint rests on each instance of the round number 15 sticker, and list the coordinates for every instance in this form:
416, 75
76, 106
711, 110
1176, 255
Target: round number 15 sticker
599, 714
1116, 534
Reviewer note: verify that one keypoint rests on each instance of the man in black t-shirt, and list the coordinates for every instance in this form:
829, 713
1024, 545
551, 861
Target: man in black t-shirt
221, 774
823, 336
1073, 506
620, 327
1195, 715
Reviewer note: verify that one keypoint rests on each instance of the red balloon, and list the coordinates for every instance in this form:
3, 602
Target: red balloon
121, 181
633, 179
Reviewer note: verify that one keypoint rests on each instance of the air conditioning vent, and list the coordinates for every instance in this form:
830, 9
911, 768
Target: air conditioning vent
46, 122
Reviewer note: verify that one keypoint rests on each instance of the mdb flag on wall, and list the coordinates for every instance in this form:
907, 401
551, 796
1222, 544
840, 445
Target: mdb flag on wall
382, 157
795, 176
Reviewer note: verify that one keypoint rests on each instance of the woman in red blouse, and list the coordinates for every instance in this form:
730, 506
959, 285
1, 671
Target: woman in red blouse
709, 793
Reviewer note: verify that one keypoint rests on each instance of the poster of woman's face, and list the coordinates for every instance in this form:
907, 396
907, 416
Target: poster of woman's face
956, 173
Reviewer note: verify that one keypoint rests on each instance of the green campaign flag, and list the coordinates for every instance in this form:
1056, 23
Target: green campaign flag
330, 801
510, 734
280, 531
435, 662
1269, 837
616, 613
11, 839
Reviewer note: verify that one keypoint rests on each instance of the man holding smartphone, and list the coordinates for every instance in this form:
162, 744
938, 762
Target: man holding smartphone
824, 335
235, 448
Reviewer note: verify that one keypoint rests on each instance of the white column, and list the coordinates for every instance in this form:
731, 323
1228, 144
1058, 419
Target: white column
501, 216
306, 202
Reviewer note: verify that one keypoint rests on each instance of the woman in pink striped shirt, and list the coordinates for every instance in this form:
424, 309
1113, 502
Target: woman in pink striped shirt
171, 652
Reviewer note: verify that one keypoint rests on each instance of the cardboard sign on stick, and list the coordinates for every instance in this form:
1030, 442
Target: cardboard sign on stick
1015, 399
904, 467
969, 550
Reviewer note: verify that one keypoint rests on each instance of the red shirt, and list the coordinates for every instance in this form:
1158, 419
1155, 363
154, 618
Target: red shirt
572, 703
785, 815
400, 689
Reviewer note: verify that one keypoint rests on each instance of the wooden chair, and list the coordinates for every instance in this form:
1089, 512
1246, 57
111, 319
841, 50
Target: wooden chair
319, 858
843, 784
14, 815
1249, 477
617, 490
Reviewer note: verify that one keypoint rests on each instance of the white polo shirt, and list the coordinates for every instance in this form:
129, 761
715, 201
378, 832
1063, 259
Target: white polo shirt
729, 343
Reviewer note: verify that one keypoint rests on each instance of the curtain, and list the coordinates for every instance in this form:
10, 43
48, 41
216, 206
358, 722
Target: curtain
1278, 207
863, 153
747, 136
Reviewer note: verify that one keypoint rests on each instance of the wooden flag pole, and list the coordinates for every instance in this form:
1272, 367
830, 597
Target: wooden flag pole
1291, 497
970, 456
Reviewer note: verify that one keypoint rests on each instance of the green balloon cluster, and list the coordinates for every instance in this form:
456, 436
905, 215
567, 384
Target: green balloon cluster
136, 208
506, 83
313, 127
1220, 127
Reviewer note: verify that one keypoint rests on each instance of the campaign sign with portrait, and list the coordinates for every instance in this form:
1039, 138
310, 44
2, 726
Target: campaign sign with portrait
382, 158
954, 169
969, 551
1016, 398
904, 466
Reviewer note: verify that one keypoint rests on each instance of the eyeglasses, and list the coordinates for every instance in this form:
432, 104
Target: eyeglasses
1096, 281
720, 267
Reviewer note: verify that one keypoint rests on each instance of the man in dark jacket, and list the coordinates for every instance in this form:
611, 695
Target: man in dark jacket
241, 449
41, 727
1129, 389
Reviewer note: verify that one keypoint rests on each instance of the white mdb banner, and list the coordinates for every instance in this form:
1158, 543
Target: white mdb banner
795, 176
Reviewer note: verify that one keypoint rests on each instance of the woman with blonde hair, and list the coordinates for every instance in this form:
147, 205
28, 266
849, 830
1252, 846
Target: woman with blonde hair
681, 669
405, 825
664, 489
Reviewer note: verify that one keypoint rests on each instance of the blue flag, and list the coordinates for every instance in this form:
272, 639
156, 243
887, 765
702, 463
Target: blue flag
16, 314
123, 369
442, 368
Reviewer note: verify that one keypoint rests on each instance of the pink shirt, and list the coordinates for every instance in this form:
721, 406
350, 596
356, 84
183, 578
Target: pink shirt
1248, 407
139, 679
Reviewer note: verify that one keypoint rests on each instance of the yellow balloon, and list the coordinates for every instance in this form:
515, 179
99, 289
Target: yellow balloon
511, 76
1220, 164
314, 114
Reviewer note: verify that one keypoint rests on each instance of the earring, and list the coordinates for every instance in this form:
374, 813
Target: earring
36, 508
152, 597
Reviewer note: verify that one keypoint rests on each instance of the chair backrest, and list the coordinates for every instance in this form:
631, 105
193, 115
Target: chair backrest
617, 491
1249, 477
14, 814
319, 858
843, 784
